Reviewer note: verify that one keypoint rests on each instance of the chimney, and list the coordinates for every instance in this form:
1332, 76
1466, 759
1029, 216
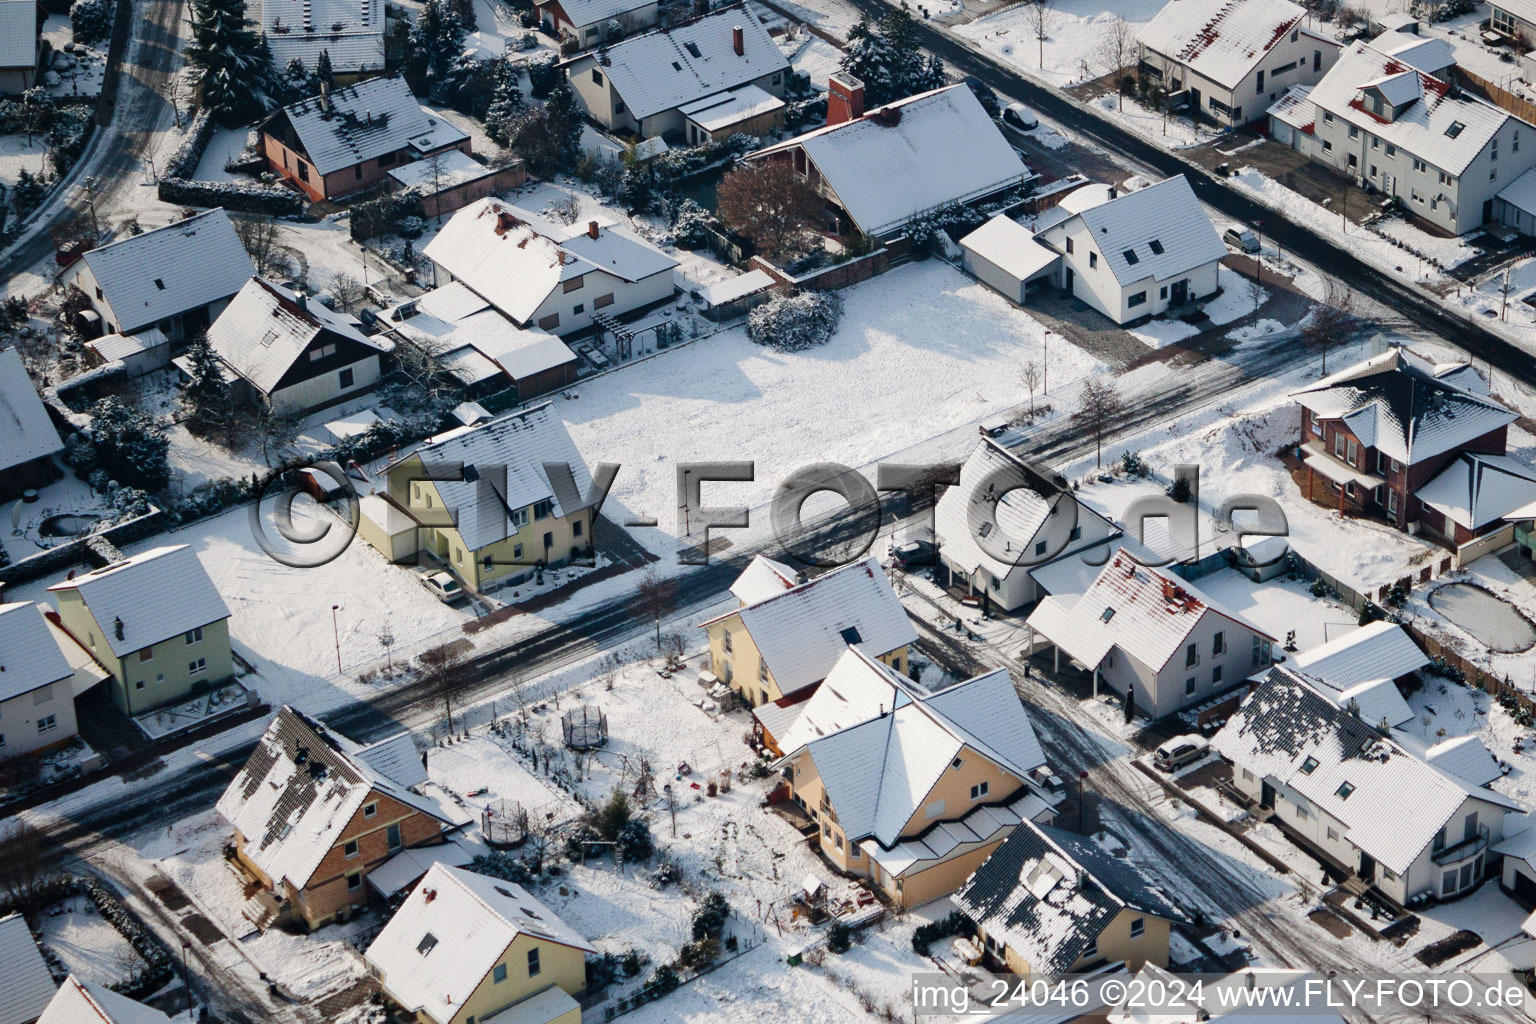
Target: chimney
737, 42
117, 626
591, 229
1112, 192
325, 97
302, 301
429, 895
845, 98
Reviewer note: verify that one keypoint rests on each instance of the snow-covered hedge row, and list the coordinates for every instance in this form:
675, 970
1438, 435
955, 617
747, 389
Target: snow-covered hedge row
238, 196
190, 153
790, 323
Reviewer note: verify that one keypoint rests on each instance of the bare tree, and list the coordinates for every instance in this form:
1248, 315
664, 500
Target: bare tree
387, 640
1116, 51
1039, 23
261, 238
28, 863
654, 595
274, 431
440, 673
436, 166
1505, 288
1029, 376
567, 209
347, 290
1098, 406
770, 204
1331, 320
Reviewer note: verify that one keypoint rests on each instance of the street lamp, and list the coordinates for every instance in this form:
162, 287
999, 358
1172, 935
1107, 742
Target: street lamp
186, 979
1081, 777
336, 630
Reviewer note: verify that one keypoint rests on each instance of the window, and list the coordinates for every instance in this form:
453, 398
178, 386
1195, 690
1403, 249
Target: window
1333, 835
1446, 179
1191, 655
1448, 881
322, 352
1216, 676
1327, 146
1189, 686
345, 378
1138, 927
1354, 450
1344, 790
1261, 651
198, 667
576, 528
195, 636
139, 685
1503, 22
956, 763
1338, 445
1283, 68
602, 300
1131, 257
1137, 299
574, 284
1327, 117
725, 641
47, 723
354, 882
1420, 165
1354, 131
1156, 246
1069, 249
762, 671
1261, 81
597, 77
392, 837
1493, 175
499, 974
1162, 292
578, 309
1076, 534
1302, 814
533, 961
553, 320
1040, 548
1108, 614
1219, 643
147, 654
979, 790
1309, 766
369, 810
350, 849
1093, 260
543, 509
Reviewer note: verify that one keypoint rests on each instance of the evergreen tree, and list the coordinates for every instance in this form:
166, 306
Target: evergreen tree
506, 99
549, 138
28, 191
228, 62
132, 447
1130, 704
437, 40
323, 74
292, 83
206, 393
888, 58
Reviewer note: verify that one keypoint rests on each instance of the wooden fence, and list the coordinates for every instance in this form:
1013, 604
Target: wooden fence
1496, 94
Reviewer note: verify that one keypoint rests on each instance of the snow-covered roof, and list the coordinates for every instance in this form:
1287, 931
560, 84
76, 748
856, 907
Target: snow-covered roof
1294, 108
802, 631
28, 985
456, 168
909, 157
1430, 54
511, 259
1009, 245
668, 68
365, 121
147, 278
1521, 193
154, 595
1475, 489
546, 1006
300, 788
879, 771
1466, 758
1376, 652
583, 13
1405, 406
264, 330
712, 113
85, 1002
1160, 231
1392, 802
124, 346
405, 869
29, 655
18, 34
453, 321
26, 432
1047, 894
448, 934
949, 840
1221, 40
506, 459
350, 31
736, 287
857, 689
1084, 196
764, 578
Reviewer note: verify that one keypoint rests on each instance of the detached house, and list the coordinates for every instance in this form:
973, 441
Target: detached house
291, 354
1233, 57
154, 621
28, 984
591, 22
788, 633
468, 949
720, 73
879, 170
349, 32
349, 138
1358, 796
1146, 629
912, 789
1364, 671
20, 45
175, 279
1051, 902
37, 699
28, 438
84, 1002
313, 813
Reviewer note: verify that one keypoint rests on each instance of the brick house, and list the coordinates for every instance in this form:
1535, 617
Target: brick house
314, 812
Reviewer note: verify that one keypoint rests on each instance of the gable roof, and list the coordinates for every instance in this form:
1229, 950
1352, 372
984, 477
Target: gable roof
506, 457
18, 34
1354, 667
763, 578
1430, 54
26, 432
1402, 404
84, 1002
351, 32
28, 985
877, 772
1392, 802
363, 122
1475, 489
147, 278
299, 789
1047, 894
1167, 213
263, 331
1466, 758
450, 931
802, 631
1221, 40
30, 657
910, 156
582, 13
1009, 245
156, 594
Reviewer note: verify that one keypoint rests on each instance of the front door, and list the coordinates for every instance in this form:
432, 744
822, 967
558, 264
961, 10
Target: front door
1487, 210
1180, 293
1267, 796
1069, 281
1367, 868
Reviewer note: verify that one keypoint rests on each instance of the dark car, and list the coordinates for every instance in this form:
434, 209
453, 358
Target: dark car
985, 94
914, 552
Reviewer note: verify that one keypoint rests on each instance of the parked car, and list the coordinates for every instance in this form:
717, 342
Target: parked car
441, 585
1180, 751
1017, 115
995, 426
915, 552
1241, 239
985, 94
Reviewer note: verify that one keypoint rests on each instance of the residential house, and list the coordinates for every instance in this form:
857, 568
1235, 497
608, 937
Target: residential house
1051, 902
1515, 20
640, 86
467, 949
1005, 256
177, 278
154, 621
481, 501
1148, 630
37, 698
1233, 57
1420, 444
1364, 671
787, 633
349, 32
1359, 797
290, 353
1007, 518
313, 813
541, 275
912, 789
592, 22
1136, 254
84, 1002
20, 45
1393, 128
348, 139
28, 438
28, 983
879, 170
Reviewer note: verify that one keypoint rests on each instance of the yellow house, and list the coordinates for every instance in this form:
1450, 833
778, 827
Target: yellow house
468, 949
155, 622
788, 633
484, 504
1051, 902
912, 789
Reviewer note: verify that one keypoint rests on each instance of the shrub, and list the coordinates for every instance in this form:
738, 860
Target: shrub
91, 20
634, 841
840, 937
791, 323
386, 215
501, 865
1179, 490
1131, 463
130, 444
709, 919
235, 196
926, 935
662, 982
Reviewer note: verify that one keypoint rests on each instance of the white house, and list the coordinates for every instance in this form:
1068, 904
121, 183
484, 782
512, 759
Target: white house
37, 699
540, 274
350, 32
85, 1002
28, 438
1397, 821
1135, 254
591, 22
1233, 57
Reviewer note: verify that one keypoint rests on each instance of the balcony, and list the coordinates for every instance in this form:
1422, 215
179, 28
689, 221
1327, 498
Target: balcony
1464, 850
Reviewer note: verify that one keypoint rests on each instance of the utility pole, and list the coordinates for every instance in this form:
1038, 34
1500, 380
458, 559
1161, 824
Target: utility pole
336, 630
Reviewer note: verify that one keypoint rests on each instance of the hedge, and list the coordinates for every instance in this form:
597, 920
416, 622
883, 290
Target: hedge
239, 197
189, 154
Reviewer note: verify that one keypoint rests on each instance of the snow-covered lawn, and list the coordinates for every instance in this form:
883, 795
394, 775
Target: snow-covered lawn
812, 56
89, 945
223, 146
1281, 605
1074, 33
18, 153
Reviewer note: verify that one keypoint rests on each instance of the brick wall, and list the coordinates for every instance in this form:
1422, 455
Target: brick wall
327, 889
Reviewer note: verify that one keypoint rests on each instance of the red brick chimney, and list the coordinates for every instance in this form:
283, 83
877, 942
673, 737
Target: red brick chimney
737, 42
592, 229
845, 98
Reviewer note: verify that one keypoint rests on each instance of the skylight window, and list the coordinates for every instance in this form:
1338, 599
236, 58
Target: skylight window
1156, 246
676, 66
160, 284
1455, 129
1344, 790
1131, 257
1309, 766
851, 635
693, 49
427, 944
984, 529
1109, 613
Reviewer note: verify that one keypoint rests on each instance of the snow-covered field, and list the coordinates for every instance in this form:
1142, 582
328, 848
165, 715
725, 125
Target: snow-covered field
90, 947
18, 153
1074, 35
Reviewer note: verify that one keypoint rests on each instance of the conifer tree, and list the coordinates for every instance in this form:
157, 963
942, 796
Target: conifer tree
228, 62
